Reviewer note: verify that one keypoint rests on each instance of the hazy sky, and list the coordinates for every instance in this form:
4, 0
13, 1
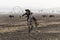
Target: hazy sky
30, 3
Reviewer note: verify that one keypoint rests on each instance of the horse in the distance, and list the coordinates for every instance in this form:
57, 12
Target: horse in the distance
11, 16
44, 16
51, 16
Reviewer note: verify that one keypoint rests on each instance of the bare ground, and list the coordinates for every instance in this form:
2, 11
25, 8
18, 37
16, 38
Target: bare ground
46, 31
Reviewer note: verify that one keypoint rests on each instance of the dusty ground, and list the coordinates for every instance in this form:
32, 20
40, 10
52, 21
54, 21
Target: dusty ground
16, 28
45, 31
21, 35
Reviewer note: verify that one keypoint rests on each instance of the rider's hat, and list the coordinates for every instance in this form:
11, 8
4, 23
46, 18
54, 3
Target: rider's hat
27, 10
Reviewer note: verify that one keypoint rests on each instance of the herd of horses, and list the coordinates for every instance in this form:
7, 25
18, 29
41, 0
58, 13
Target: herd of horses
49, 16
12, 16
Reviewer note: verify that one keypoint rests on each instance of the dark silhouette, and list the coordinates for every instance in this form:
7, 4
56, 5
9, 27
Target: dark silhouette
44, 16
11, 16
30, 18
20, 16
51, 16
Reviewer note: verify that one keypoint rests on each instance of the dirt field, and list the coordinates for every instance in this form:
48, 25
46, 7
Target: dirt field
46, 32
14, 29
23, 35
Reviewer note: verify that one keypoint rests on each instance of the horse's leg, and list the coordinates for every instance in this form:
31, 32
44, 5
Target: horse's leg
36, 24
31, 26
29, 29
35, 21
28, 23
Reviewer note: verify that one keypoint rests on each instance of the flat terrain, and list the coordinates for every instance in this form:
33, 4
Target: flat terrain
16, 29
21, 35
48, 31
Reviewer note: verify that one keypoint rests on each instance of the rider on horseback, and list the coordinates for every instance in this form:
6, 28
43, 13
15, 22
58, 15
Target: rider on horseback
29, 19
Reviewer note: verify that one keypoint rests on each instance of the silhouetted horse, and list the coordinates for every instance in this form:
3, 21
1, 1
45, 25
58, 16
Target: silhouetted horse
51, 16
44, 16
11, 16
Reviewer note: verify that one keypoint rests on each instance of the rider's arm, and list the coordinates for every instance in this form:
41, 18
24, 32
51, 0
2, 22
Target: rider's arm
24, 14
